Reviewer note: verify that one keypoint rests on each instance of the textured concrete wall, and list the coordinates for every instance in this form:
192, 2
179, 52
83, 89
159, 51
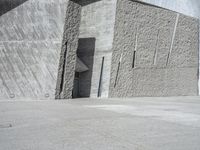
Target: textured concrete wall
155, 52
68, 55
30, 41
187, 7
97, 20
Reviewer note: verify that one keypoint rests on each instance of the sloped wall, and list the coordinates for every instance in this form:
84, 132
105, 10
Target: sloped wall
155, 52
30, 42
67, 63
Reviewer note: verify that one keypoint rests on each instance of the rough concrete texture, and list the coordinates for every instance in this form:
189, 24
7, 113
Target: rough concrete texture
68, 55
31, 38
155, 52
30, 41
187, 7
116, 124
97, 21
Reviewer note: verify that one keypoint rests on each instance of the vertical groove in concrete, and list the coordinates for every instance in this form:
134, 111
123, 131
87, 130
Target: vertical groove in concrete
136, 36
173, 37
156, 49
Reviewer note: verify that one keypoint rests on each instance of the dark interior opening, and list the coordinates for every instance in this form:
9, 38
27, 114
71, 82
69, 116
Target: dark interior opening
84, 68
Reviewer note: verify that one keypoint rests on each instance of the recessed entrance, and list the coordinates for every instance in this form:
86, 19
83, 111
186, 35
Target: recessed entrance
84, 68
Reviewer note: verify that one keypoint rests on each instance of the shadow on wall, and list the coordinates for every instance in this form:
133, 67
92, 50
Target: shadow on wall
7, 5
85, 2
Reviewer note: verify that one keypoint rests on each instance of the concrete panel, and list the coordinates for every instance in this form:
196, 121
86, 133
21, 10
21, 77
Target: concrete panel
158, 82
97, 20
67, 64
186, 43
187, 7
155, 52
30, 40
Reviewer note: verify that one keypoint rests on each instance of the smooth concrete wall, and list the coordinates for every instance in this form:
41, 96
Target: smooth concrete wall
97, 20
166, 52
30, 42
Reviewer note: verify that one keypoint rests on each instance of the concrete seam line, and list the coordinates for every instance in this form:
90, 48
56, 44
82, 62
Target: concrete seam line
156, 49
173, 37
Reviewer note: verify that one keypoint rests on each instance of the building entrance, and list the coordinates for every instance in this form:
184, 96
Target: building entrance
84, 68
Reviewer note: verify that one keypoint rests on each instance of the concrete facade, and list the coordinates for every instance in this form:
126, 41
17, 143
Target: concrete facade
66, 70
97, 21
155, 52
30, 42
129, 48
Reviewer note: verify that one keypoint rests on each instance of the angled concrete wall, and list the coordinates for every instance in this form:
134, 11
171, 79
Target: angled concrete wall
155, 52
162, 43
67, 64
97, 20
187, 7
30, 42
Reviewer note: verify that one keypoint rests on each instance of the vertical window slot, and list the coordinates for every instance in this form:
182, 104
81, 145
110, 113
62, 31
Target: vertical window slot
100, 79
63, 69
133, 63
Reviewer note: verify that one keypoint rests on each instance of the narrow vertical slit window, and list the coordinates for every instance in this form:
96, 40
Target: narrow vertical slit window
63, 69
133, 63
118, 70
100, 79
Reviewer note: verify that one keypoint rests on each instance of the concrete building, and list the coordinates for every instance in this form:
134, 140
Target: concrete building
98, 48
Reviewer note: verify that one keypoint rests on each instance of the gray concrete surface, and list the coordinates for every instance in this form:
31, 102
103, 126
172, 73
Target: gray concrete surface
67, 64
101, 124
94, 22
187, 7
30, 44
31, 39
163, 46
97, 20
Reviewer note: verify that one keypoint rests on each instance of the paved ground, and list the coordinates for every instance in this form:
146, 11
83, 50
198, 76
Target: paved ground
115, 124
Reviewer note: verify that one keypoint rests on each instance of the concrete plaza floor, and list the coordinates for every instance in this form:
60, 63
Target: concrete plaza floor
101, 124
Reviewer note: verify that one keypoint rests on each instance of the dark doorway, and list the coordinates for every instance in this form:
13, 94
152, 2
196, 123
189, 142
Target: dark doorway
84, 68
